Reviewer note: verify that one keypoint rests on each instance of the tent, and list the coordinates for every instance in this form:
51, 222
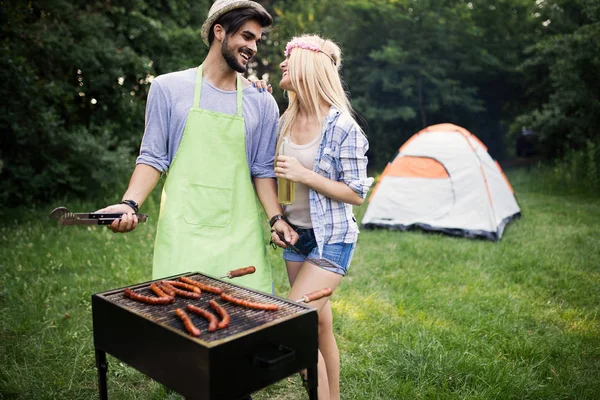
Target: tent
443, 180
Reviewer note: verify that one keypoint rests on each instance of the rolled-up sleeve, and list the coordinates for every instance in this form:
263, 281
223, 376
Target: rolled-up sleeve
353, 159
263, 165
154, 147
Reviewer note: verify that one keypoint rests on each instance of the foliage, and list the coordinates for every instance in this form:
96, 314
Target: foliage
410, 64
408, 74
75, 76
576, 172
565, 105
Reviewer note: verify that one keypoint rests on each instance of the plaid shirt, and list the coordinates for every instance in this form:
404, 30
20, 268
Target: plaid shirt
341, 157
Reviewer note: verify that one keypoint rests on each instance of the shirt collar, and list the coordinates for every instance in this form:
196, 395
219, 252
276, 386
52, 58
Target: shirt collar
332, 114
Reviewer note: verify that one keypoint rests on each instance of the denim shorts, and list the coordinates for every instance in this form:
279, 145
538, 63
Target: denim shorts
339, 254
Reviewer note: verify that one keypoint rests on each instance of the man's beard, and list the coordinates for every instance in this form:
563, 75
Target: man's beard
230, 57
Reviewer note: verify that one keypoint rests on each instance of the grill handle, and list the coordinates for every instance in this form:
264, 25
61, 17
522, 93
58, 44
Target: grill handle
273, 357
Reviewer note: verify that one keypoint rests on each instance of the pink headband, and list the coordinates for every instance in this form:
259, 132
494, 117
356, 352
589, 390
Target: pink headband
295, 43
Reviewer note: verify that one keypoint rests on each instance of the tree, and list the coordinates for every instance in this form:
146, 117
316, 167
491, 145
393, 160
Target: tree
75, 76
562, 77
404, 67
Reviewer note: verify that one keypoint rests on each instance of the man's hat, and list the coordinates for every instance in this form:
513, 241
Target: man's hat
221, 7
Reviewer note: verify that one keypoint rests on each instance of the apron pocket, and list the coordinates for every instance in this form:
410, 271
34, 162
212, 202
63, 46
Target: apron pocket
208, 205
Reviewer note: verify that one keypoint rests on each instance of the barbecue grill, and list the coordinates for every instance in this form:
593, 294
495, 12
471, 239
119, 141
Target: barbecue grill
257, 349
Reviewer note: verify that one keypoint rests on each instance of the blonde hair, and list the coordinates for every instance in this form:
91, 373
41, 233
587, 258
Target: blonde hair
315, 77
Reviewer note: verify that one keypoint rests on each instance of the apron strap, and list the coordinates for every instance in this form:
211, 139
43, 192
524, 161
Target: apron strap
239, 95
198, 90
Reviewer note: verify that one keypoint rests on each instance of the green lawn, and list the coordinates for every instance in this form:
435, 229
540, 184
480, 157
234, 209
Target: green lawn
419, 316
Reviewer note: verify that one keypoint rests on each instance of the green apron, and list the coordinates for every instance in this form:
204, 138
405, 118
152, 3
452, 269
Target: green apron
209, 213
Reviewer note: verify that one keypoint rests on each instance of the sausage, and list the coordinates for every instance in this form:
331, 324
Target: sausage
250, 304
213, 321
317, 295
202, 286
159, 292
222, 312
168, 289
241, 272
147, 299
182, 293
185, 286
187, 322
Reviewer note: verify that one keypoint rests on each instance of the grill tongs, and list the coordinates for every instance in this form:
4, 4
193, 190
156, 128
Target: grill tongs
319, 262
66, 217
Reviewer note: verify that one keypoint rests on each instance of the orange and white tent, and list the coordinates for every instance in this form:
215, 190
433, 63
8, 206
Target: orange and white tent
443, 179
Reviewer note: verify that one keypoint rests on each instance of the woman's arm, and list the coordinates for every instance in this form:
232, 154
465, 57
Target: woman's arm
353, 183
290, 168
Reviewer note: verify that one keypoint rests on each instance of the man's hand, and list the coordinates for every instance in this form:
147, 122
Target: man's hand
142, 181
128, 221
290, 235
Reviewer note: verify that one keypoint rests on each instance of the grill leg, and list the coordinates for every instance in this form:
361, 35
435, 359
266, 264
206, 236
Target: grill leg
102, 367
313, 382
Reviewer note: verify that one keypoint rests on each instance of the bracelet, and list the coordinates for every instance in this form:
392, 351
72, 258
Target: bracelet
135, 206
276, 218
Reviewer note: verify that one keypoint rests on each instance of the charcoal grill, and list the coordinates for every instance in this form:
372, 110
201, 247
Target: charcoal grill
258, 348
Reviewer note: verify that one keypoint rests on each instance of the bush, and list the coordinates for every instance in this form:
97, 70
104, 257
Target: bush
574, 173
74, 77
563, 81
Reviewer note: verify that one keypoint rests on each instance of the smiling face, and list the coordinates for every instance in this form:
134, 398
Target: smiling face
286, 82
237, 49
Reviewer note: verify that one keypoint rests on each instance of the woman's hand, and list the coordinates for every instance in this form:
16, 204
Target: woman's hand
262, 86
290, 168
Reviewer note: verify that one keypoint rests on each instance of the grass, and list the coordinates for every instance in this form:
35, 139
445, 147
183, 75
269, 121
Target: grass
419, 316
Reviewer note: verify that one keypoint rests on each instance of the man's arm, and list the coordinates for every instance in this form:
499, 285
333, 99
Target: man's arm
153, 158
266, 189
143, 180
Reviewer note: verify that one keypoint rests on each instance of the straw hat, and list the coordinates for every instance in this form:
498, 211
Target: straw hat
221, 7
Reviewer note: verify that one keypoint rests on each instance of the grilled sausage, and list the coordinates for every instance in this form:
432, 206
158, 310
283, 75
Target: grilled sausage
147, 299
222, 312
241, 272
250, 304
212, 319
200, 285
317, 295
182, 293
189, 325
159, 292
168, 289
185, 286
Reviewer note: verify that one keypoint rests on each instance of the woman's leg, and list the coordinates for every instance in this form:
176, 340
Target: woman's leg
293, 268
306, 278
329, 350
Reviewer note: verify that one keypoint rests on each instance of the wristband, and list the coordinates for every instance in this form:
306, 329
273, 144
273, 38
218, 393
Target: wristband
276, 218
135, 206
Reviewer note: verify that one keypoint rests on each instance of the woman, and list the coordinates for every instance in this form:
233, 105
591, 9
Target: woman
325, 156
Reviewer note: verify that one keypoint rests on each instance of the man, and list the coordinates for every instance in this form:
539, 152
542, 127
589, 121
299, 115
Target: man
214, 136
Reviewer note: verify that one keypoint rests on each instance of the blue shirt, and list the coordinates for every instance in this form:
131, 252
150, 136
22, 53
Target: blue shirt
169, 102
341, 157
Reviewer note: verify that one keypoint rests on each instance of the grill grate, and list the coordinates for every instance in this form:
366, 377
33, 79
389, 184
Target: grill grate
242, 319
